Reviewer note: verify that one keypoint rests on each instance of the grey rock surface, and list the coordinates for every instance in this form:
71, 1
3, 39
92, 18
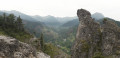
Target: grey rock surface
12, 48
93, 38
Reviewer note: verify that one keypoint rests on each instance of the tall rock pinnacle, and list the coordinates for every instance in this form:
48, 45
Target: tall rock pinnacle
94, 40
86, 37
81, 13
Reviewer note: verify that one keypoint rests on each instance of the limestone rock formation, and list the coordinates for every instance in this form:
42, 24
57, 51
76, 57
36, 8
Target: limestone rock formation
12, 48
95, 40
110, 39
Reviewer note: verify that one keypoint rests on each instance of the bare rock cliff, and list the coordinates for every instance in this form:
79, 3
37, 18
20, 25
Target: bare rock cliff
95, 40
12, 48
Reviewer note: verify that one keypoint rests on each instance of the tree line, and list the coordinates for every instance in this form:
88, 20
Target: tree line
12, 26
11, 22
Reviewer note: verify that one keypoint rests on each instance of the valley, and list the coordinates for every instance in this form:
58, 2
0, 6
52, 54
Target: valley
59, 33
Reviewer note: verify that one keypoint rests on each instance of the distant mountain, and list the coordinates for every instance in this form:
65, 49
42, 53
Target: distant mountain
1, 13
50, 21
53, 21
71, 23
60, 19
74, 22
38, 18
22, 15
65, 19
33, 26
97, 16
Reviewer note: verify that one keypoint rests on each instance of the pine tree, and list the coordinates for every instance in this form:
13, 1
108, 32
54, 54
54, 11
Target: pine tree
1, 21
19, 24
42, 41
4, 20
10, 21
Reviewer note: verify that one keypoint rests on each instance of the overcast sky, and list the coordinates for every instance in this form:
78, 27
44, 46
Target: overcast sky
62, 8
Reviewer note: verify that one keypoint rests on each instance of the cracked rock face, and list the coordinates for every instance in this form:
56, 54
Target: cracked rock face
93, 38
12, 48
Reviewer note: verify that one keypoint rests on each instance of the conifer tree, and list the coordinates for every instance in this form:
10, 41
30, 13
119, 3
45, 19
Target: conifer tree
1, 21
42, 41
10, 21
4, 20
19, 23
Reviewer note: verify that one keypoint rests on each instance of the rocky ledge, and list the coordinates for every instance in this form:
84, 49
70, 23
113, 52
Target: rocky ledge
12, 48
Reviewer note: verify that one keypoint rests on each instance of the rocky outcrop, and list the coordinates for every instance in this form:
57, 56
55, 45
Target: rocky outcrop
110, 39
12, 48
95, 40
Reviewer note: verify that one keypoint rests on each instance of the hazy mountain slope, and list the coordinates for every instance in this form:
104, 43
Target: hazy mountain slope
38, 18
33, 27
53, 21
71, 23
65, 19
50, 21
47, 18
97, 16
22, 15
1, 13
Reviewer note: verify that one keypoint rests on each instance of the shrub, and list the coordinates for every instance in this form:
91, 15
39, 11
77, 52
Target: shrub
98, 55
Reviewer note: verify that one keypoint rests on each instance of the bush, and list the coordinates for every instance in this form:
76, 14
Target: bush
104, 20
98, 55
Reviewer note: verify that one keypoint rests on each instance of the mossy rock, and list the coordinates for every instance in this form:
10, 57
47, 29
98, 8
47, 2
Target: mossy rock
85, 46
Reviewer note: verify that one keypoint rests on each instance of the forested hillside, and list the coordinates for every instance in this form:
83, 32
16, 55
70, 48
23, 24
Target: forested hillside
11, 25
